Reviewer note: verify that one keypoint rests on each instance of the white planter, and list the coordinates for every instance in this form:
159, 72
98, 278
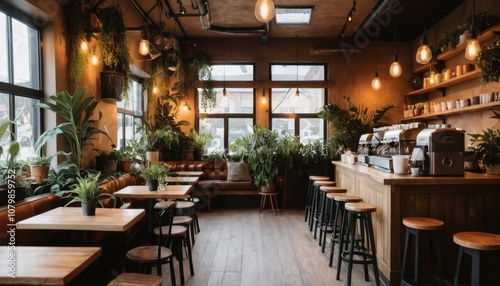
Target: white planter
492, 169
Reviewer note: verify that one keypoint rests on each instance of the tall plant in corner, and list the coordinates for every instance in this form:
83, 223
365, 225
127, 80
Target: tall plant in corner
78, 127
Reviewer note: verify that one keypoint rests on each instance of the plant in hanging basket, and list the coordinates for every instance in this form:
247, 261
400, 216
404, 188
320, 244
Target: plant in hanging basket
488, 61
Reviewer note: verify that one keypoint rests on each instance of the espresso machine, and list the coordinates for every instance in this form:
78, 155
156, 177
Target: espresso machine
365, 147
443, 149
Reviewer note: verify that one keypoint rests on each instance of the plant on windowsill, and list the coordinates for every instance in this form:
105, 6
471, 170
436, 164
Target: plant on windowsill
200, 141
154, 138
154, 173
488, 146
39, 168
107, 160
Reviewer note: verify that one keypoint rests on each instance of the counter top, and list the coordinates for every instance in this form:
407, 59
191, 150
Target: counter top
392, 179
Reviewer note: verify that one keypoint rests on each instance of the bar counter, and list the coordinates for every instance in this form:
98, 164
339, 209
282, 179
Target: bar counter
468, 203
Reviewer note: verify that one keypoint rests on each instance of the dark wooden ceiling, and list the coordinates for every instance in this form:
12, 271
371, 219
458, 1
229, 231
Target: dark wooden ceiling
328, 18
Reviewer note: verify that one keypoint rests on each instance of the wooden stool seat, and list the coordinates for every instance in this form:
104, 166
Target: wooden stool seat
148, 254
177, 230
346, 198
423, 223
477, 240
360, 207
332, 189
163, 204
319, 178
184, 205
136, 279
272, 199
324, 183
182, 220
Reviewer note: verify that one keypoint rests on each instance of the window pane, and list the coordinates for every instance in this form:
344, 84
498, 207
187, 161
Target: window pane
309, 101
134, 97
4, 117
239, 127
119, 131
283, 126
238, 100
129, 127
311, 129
4, 70
297, 72
232, 72
26, 121
214, 126
25, 53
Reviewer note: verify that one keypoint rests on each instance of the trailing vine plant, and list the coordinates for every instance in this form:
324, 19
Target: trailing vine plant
200, 72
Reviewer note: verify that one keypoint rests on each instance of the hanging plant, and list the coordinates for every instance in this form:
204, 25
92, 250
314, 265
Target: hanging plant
200, 71
488, 61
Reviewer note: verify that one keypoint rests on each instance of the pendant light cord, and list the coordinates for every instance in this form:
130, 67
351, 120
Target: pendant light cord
394, 34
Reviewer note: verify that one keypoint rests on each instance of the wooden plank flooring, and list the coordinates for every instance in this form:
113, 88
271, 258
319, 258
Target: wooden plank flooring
245, 247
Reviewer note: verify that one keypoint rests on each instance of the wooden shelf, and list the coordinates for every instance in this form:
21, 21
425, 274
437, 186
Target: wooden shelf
453, 81
461, 110
425, 67
488, 34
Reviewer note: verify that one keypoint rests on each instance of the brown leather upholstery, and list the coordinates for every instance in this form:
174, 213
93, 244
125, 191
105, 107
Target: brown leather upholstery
210, 171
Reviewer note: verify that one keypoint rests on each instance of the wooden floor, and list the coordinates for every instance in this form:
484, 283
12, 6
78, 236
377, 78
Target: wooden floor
245, 247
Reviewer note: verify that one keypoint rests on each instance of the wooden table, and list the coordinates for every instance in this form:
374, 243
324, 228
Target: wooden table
189, 173
182, 180
142, 192
44, 265
71, 218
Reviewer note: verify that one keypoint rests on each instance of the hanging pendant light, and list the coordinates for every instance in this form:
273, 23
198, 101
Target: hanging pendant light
224, 92
84, 47
473, 47
297, 92
424, 53
395, 70
263, 97
264, 10
376, 84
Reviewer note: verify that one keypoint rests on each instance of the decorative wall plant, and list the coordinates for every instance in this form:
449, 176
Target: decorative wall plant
199, 70
488, 61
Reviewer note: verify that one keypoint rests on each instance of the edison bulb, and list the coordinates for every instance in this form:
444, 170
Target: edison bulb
424, 54
144, 47
94, 59
263, 100
264, 10
376, 82
155, 89
472, 49
395, 69
84, 46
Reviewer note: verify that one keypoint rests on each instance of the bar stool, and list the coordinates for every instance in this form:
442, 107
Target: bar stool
273, 201
473, 243
310, 192
418, 226
314, 217
340, 222
361, 212
326, 210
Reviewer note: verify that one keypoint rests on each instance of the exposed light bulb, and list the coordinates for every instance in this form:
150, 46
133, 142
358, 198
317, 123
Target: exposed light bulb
224, 92
297, 93
264, 10
424, 53
144, 47
155, 89
395, 70
185, 106
263, 98
376, 82
94, 59
84, 46
472, 49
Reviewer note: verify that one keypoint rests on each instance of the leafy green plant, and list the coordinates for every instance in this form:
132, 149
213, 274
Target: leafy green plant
488, 61
200, 140
198, 67
8, 165
216, 156
350, 124
488, 143
155, 171
86, 189
40, 160
78, 127
154, 138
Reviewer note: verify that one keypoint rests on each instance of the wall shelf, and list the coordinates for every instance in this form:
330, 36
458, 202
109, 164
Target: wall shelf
451, 82
441, 114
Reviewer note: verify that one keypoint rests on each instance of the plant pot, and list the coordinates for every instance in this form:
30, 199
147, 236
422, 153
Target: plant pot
267, 189
106, 164
111, 86
39, 173
153, 185
492, 169
124, 166
198, 155
153, 157
88, 208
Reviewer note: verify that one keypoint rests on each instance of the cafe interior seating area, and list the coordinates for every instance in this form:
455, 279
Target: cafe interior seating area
263, 142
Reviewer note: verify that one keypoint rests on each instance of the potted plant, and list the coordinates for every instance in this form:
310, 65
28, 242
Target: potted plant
154, 173
488, 61
488, 146
39, 168
154, 138
106, 161
350, 124
200, 141
87, 192
114, 54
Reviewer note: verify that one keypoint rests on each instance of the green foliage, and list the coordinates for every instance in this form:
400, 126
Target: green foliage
86, 189
200, 140
40, 160
199, 69
488, 61
155, 171
488, 143
10, 168
78, 128
217, 156
350, 124
76, 15
154, 138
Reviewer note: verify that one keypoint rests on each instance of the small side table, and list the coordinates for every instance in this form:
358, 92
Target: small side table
273, 201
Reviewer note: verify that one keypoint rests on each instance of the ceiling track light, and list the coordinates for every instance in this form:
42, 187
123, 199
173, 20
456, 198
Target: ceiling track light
348, 19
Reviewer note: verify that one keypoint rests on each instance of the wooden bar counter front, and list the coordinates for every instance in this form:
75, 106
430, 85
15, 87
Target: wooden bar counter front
469, 203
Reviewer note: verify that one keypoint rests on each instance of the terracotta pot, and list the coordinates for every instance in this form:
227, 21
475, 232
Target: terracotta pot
492, 169
39, 173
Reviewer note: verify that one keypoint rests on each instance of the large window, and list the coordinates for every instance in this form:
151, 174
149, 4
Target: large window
20, 80
129, 116
233, 115
293, 109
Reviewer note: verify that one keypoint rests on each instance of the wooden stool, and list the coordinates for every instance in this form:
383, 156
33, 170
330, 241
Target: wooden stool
326, 210
309, 196
339, 222
272, 200
136, 279
361, 212
473, 243
315, 213
418, 226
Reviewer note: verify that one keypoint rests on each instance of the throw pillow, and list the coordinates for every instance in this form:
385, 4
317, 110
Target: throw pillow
238, 171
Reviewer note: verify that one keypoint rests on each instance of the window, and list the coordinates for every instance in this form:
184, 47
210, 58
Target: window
129, 116
293, 110
20, 80
233, 116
